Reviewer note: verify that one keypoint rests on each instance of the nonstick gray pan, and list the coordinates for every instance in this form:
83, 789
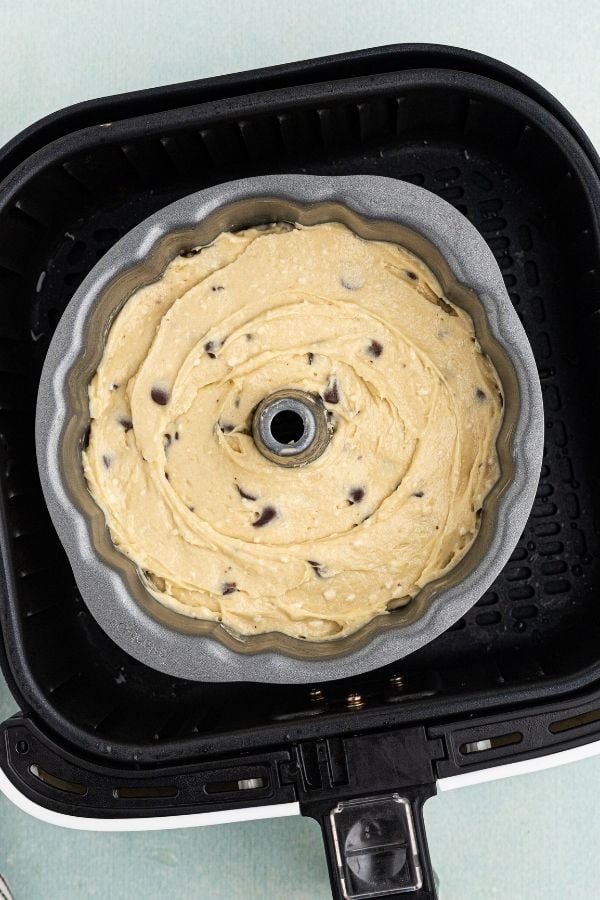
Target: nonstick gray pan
376, 208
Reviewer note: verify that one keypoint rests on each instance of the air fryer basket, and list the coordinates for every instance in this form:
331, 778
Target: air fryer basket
490, 151
104, 735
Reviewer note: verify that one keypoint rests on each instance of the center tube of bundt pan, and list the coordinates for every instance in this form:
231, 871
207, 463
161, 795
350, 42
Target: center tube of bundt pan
291, 427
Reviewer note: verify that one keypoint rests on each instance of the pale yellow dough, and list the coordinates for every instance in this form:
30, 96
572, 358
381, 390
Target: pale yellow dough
392, 503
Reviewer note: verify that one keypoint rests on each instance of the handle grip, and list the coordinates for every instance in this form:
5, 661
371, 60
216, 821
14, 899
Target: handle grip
376, 846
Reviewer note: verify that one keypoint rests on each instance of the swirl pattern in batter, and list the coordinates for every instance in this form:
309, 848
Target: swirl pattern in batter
218, 531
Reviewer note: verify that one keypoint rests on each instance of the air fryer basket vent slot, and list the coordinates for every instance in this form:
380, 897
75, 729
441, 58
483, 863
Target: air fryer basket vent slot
587, 718
491, 743
69, 787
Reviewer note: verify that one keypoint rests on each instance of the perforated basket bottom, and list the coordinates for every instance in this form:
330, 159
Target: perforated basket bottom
540, 620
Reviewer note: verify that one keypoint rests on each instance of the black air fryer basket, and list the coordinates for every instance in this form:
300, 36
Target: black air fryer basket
103, 736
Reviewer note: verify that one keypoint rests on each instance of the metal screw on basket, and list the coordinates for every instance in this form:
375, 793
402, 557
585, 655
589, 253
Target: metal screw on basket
397, 681
316, 695
291, 427
355, 701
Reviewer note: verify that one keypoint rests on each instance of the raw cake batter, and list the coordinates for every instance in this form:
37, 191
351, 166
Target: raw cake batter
218, 531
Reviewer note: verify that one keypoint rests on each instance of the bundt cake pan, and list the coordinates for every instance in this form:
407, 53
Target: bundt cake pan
374, 207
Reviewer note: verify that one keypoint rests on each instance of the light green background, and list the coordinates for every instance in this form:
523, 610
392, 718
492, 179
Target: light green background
533, 838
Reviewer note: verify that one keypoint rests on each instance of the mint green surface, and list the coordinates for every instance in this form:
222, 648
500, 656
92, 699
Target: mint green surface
526, 838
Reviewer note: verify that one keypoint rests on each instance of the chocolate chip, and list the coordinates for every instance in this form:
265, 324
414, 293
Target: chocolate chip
107, 460
412, 275
236, 402
210, 347
228, 587
188, 253
166, 440
226, 427
249, 337
167, 476
217, 287
316, 567
191, 508
310, 356
419, 494
332, 394
127, 424
160, 396
375, 349
266, 516
356, 495
114, 387
176, 435
480, 395
244, 494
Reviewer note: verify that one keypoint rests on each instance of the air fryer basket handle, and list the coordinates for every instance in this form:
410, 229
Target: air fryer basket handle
367, 793
376, 846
